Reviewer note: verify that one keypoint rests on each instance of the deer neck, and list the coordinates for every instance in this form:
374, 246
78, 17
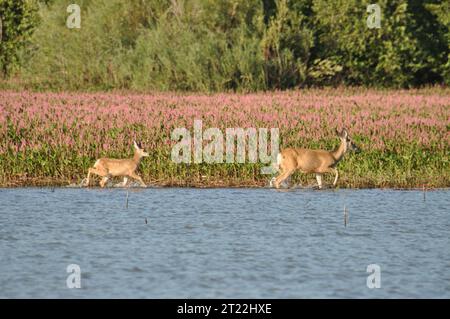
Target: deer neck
340, 151
136, 158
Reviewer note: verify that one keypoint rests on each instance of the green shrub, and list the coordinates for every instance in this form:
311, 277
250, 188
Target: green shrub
237, 45
18, 19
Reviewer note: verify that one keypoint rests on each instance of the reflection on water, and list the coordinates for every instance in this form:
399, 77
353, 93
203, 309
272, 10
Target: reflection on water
224, 243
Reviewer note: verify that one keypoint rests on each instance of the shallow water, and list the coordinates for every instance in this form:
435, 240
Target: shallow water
223, 243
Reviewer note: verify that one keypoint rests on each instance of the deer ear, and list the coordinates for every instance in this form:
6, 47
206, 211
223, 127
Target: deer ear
344, 133
341, 133
135, 145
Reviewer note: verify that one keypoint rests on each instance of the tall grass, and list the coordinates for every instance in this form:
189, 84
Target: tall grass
143, 45
238, 45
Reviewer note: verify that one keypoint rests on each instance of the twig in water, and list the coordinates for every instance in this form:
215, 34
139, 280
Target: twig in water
345, 216
424, 192
126, 204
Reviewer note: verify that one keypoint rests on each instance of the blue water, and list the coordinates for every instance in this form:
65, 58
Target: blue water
223, 243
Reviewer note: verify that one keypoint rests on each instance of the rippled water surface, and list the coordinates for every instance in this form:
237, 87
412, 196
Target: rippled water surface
223, 243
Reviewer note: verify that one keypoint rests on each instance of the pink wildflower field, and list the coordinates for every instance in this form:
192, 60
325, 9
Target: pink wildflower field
52, 138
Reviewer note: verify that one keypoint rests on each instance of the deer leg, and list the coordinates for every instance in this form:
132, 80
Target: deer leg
332, 170
125, 180
88, 177
336, 176
287, 181
94, 170
278, 179
103, 181
282, 177
137, 177
319, 180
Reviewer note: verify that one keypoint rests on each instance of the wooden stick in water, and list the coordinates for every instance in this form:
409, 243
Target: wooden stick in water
345, 216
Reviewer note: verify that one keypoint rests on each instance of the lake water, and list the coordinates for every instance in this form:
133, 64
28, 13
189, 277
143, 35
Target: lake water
224, 243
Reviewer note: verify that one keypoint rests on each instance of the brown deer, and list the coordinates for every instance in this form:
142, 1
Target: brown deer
108, 167
313, 161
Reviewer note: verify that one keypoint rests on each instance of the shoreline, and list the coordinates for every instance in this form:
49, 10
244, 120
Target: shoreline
231, 187
51, 183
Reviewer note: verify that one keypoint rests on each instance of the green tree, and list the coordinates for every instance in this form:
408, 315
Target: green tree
286, 44
440, 34
408, 50
18, 19
96, 55
217, 45
200, 45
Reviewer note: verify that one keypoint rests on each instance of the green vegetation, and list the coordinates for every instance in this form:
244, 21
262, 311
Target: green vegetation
18, 20
52, 139
223, 45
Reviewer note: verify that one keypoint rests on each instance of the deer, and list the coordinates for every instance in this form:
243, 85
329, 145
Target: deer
313, 161
108, 167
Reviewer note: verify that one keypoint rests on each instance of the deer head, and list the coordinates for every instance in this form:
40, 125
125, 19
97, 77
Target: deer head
349, 144
139, 150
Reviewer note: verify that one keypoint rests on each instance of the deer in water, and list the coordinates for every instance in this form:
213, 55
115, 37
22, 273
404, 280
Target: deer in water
108, 167
313, 161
